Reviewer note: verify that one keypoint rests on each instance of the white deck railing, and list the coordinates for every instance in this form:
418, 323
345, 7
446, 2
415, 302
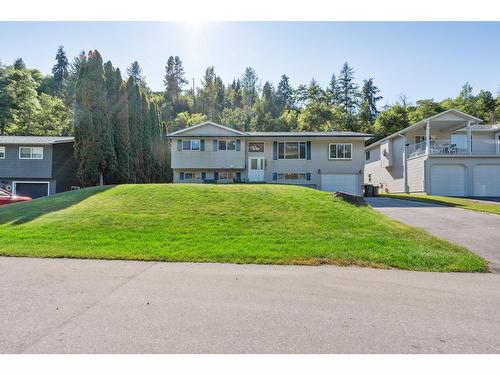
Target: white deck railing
446, 147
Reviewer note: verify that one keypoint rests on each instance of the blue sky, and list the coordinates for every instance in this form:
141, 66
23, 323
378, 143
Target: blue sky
418, 59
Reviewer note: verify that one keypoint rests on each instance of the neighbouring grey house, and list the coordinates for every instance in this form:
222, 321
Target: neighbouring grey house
37, 166
448, 154
209, 152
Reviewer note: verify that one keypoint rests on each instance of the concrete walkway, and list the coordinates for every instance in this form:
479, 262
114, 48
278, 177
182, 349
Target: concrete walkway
479, 232
92, 306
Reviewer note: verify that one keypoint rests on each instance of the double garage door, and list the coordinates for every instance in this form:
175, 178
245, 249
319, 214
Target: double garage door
344, 182
451, 180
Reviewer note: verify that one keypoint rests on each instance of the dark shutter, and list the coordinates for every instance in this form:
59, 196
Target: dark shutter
238, 145
179, 145
238, 176
308, 150
181, 175
308, 176
302, 150
275, 150
216, 176
275, 175
216, 144
203, 176
202, 145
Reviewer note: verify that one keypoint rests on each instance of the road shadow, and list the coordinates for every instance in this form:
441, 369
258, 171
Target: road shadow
23, 212
387, 202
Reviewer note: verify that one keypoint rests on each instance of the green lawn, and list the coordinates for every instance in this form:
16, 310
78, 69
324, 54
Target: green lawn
468, 204
221, 223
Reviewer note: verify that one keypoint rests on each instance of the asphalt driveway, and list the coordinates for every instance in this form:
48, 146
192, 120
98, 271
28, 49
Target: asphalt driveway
93, 306
479, 232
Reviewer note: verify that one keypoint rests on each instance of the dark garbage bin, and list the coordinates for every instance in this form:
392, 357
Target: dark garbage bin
375, 191
368, 190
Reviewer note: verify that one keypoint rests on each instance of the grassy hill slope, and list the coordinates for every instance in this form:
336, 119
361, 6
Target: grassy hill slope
214, 223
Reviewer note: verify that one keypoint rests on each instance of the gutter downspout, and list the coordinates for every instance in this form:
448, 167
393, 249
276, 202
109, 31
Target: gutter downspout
405, 164
469, 138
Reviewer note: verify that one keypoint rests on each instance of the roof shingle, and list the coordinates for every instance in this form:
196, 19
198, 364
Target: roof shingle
32, 140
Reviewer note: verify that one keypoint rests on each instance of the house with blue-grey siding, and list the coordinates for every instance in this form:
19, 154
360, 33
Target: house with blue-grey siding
213, 153
37, 166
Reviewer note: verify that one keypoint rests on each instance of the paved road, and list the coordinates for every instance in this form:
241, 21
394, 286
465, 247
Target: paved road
92, 306
479, 232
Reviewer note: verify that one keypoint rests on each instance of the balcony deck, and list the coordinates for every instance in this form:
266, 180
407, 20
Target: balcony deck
483, 147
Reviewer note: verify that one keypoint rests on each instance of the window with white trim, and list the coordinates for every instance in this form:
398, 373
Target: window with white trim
291, 150
227, 144
367, 155
255, 146
291, 176
340, 151
191, 145
226, 175
2, 152
30, 152
192, 175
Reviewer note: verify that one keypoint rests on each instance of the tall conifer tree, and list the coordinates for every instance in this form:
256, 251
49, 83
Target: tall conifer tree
135, 123
60, 70
93, 135
118, 114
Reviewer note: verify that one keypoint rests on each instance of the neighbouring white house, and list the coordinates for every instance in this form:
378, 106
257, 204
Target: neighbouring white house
448, 154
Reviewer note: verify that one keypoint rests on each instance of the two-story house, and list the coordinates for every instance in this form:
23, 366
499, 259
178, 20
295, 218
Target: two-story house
209, 152
448, 154
37, 166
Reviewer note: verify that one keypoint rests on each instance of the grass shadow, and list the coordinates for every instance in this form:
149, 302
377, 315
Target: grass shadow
23, 212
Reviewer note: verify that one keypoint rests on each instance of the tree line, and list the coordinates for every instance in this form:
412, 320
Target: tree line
119, 134
120, 124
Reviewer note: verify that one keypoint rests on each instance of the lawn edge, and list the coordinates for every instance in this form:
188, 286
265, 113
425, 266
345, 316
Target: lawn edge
416, 198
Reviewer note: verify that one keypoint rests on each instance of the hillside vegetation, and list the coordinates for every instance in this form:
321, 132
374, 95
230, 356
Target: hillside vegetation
221, 223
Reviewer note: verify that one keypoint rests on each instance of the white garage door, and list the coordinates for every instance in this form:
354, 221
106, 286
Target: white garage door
486, 180
347, 183
448, 180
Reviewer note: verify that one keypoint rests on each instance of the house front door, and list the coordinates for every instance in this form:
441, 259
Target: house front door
256, 169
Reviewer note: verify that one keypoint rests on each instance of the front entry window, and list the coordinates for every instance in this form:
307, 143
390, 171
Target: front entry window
255, 146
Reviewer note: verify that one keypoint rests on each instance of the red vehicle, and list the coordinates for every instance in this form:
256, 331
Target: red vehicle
7, 198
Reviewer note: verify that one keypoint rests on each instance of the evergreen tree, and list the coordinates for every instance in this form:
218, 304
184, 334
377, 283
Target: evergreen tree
135, 125
158, 165
333, 91
94, 147
60, 70
147, 141
174, 78
19, 64
369, 99
234, 95
134, 71
219, 96
118, 114
73, 72
284, 94
249, 82
269, 99
314, 92
349, 95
